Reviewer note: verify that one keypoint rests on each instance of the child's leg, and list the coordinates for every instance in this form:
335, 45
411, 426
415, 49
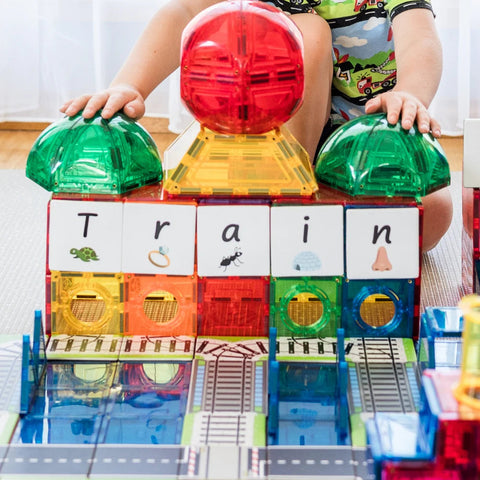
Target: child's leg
307, 124
437, 216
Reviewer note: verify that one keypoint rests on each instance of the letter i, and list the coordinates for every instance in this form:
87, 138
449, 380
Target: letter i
305, 230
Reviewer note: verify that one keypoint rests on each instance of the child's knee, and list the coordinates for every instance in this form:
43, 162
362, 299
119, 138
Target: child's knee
437, 216
316, 33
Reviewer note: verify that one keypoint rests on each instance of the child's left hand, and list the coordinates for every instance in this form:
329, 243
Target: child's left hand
404, 105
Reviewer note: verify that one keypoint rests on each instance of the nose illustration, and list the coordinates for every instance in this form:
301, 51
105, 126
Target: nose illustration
382, 263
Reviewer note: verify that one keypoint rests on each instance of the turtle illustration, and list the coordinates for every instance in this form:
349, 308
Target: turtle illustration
85, 254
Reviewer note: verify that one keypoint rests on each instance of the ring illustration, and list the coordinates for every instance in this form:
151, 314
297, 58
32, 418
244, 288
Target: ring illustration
159, 257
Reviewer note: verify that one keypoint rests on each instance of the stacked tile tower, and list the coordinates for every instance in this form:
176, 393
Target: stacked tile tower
228, 314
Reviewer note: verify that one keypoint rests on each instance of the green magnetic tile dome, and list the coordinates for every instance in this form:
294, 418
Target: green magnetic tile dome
94, 156
368, 156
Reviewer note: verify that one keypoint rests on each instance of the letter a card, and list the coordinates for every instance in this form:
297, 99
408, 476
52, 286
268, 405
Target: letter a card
233, 240
382, 243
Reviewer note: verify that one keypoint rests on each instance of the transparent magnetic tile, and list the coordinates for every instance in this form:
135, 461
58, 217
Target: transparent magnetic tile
94, 156
151, 429
161, 376
69, 403
79, 376
79, 429
368, 156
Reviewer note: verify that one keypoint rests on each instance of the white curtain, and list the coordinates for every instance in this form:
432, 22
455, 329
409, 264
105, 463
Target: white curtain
53, 50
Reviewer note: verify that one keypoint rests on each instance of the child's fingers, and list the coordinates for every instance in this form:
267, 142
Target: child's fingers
94, 104
135, 108
77, 104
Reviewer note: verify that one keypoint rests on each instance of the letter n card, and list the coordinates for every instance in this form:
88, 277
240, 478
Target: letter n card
382, 243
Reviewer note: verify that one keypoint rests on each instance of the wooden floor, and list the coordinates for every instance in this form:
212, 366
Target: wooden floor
16, 140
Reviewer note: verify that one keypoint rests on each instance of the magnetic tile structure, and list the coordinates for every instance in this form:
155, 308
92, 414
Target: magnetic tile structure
230, 314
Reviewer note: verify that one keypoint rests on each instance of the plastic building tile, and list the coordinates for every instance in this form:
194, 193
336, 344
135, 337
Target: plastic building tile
382, 378
419, 471
242, 68
233, 240
269, 165
382, 242
94, 156
81, 348
234, 384
470, 239
299, 246
147, 194
58, 430
368, 156
468, 391
440, 342
306, 349
149, 406
308, 405
454, 428
237, 307
397, 437
160, 305
95, 377
33, 363
86, 303
224, 428
158, 238
145, 347
64, 416
238, 348
306, 306
379, 308
83, 236
380, 350
471, 147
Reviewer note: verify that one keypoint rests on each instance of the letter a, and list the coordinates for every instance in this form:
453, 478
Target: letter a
233, 235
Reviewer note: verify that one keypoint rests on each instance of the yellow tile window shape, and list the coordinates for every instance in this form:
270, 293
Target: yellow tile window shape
467, 391
86, 303
269, 164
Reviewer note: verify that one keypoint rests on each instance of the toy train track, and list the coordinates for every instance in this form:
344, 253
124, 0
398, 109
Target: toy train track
230, 386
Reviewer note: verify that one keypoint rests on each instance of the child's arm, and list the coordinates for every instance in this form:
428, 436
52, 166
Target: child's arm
154, 57
418, 53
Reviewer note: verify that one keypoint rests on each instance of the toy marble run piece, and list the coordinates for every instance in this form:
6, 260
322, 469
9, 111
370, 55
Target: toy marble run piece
242, 78
368, 156
94, 156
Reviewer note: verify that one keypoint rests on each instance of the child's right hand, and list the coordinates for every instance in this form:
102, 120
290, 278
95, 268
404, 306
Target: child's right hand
111, 100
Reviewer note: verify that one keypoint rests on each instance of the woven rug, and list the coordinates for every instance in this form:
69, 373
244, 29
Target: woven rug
23, 212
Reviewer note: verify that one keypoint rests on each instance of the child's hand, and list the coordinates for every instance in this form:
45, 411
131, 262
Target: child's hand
111, 100
407, 107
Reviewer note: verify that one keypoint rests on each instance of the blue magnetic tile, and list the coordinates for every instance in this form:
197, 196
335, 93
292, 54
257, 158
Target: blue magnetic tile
309, 405
58, 430
152, 429
358, 321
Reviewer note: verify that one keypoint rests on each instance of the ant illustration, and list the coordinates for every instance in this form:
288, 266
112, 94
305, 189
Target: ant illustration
226, 261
